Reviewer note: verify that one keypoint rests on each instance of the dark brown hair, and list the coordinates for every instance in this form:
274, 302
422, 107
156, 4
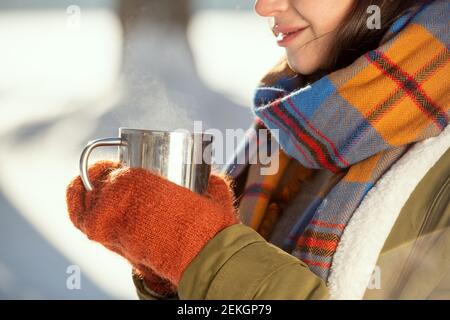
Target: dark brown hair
354, 38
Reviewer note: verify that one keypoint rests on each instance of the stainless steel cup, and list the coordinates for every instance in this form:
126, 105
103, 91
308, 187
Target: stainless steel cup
181, 157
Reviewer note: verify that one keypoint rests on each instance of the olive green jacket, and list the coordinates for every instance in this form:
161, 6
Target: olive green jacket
414, 262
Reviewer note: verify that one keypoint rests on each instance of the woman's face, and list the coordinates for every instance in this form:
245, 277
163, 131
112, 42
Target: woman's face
305, 28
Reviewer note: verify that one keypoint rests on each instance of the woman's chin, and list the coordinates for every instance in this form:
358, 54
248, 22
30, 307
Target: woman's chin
303, 66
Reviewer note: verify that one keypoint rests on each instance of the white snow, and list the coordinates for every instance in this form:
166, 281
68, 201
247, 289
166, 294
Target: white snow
61, 87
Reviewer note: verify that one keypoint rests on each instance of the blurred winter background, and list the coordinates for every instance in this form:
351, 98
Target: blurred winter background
72, 71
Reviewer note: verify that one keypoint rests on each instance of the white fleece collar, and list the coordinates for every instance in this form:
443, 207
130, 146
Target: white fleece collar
358, 250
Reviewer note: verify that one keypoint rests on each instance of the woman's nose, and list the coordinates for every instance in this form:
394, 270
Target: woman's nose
271, 8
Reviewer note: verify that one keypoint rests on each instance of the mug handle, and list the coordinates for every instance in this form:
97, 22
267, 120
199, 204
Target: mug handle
84, 158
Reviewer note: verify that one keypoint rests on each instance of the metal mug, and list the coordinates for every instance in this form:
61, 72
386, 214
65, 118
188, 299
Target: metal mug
182, 157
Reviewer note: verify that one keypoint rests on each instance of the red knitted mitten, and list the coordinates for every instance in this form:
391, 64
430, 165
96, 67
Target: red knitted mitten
149, 220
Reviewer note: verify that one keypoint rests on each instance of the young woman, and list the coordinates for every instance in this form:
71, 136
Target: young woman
359, 207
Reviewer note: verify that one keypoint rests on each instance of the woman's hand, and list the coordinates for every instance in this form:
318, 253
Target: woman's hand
157, 225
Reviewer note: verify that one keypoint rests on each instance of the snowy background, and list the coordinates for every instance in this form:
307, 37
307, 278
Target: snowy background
68, 75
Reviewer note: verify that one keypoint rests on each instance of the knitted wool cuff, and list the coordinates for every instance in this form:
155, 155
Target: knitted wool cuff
154, 223
154, 285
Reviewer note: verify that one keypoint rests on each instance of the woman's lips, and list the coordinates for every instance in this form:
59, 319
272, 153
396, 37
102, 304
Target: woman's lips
286, 35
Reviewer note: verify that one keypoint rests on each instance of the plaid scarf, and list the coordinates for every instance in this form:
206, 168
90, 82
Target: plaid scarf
356, 123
